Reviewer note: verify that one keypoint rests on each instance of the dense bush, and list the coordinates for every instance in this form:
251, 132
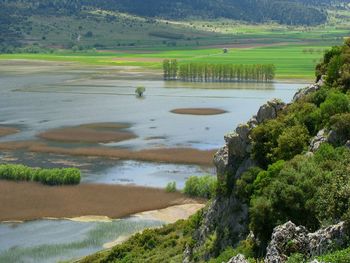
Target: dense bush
204, 186
340, 124
341, 256
309, 191
17, 172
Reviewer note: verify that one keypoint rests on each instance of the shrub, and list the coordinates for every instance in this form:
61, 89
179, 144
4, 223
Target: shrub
171, 187
340, 123
17, 172
291, 142
340, 256
140, 90
204, 186
335, 103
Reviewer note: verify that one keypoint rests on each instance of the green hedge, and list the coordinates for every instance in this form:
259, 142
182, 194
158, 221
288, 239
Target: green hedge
17, 172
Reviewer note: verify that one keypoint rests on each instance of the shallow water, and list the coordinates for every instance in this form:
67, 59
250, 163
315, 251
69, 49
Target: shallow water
56, 240
40, 101
47, 97
147, 174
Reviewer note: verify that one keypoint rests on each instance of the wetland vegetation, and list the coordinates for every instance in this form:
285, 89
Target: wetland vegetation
64, 176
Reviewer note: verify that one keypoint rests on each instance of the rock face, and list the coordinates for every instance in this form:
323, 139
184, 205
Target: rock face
321, 137
289, 238
238, 259
269, 111
309, 89
235, 154
227, 216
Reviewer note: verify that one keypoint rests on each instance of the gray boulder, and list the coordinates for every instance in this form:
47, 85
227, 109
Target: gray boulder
221, 161
238, 259
321, 137
269, 110
309, 89
289, 238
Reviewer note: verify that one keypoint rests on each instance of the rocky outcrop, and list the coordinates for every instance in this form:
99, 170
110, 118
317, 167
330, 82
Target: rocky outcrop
289, 238
325, 136
234, 156
238, 259
227, 216
321, 137
269, 111
309, 89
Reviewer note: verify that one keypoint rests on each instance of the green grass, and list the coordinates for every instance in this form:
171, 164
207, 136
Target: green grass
291, 61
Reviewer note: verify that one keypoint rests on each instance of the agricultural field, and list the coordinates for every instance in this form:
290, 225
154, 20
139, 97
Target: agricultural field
112, 38
291, 61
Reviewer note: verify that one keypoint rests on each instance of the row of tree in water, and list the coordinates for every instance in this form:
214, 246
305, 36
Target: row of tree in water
206, 72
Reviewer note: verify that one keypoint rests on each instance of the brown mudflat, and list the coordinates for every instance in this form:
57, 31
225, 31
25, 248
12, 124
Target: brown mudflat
198, 111
7, 131
165, 155
29, 201
90, 133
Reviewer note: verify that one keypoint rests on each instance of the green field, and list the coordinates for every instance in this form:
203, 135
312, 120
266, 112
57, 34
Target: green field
127, 40
291, 61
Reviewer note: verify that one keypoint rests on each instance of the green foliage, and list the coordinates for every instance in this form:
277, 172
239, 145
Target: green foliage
203, 186
139, 91
340, 124
292, 141
207, 72
171, 187
165, 244
244, 185
245, 247
335, 103
296, 258
65, 176
309, 191
340, 256
170, 69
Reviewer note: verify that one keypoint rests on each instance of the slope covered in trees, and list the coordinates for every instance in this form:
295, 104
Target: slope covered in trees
282, 11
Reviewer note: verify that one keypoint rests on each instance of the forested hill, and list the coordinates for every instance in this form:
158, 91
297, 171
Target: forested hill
282, 11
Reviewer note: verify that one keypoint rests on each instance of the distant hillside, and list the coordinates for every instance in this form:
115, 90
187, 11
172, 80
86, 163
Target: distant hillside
295, 12
114, 23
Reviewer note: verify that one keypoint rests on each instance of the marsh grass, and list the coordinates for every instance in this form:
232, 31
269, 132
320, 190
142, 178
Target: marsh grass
92, 242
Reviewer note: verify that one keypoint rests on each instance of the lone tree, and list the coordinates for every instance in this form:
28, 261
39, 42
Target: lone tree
139, 91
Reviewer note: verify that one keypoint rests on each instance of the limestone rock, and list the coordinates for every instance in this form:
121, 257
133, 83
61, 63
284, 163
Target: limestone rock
309, 89
236, 145
321, 137
221, 161
238, 259
289, 238
269, 110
